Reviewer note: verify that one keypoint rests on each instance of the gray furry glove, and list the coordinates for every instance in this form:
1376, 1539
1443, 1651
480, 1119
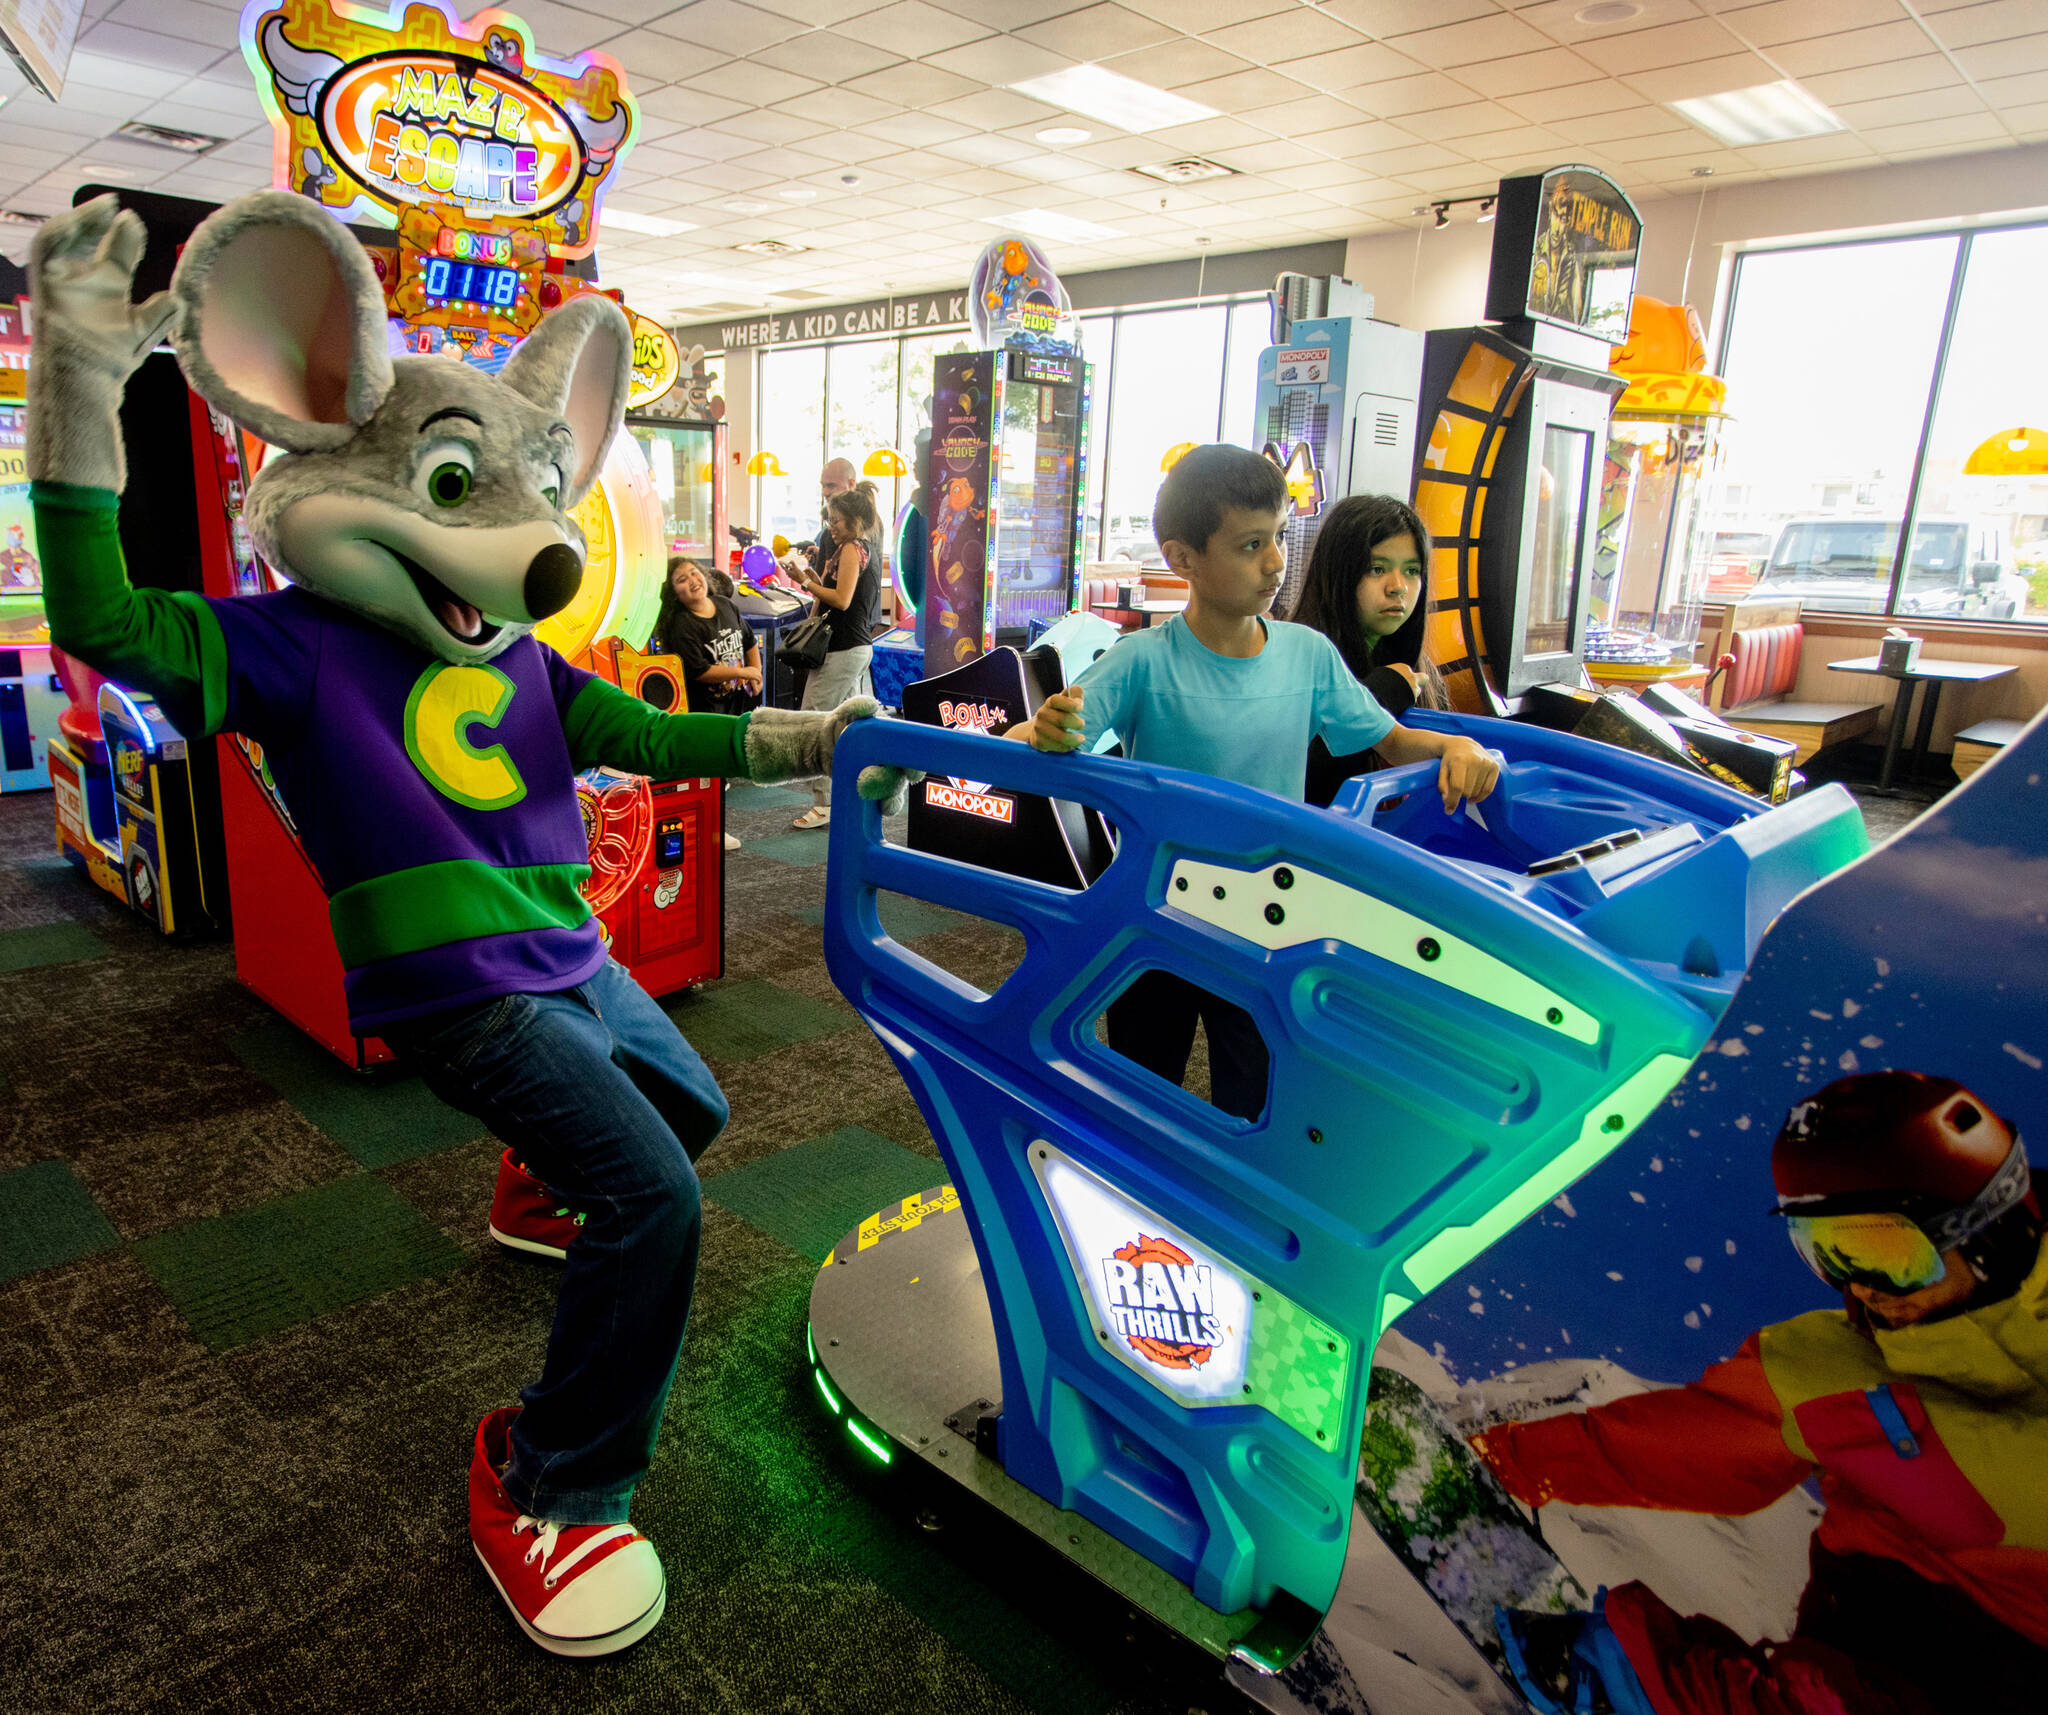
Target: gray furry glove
783, 744
88, 340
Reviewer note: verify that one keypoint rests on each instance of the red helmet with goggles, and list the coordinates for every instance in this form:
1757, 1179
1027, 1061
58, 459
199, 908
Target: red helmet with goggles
1881, 1173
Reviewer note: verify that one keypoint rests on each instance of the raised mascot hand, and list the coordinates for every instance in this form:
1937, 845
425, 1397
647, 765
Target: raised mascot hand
88, 340
783, 744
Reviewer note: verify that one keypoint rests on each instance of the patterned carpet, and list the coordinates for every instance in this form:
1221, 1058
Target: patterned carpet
248, 1319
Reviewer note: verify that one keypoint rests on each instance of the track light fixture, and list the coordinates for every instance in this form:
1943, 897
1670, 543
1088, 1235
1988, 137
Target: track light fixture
1443, 214
1486, 211
1441, 207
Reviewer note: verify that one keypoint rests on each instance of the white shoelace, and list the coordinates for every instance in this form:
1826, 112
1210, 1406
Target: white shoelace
547, 1533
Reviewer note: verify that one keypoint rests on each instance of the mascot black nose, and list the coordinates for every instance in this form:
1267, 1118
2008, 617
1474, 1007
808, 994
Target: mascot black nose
552, 579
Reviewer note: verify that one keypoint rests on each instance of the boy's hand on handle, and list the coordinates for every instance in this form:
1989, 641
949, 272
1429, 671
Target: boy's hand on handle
788, 744
1465, 770
1058, 725
88, 340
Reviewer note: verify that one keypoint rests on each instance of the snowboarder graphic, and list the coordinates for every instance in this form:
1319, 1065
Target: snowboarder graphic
1920, 1406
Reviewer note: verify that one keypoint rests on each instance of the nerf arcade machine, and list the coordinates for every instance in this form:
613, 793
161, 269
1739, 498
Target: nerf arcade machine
1007, 473
1516, 409
1335, 405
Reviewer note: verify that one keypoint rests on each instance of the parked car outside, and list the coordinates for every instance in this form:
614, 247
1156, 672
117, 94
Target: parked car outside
1958, 568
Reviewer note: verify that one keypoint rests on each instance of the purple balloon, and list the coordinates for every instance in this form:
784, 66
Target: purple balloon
756, 563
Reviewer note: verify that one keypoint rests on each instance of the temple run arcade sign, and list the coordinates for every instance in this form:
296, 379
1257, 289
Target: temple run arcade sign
375, 113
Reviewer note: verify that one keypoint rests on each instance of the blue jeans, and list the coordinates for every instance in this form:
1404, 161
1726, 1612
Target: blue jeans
596, 1091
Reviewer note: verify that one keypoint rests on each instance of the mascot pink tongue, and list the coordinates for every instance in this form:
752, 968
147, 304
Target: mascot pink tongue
427, 747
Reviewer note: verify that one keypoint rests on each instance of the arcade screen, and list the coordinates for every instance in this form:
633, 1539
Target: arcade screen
21, 572
1554, 564
1038, 444
679, 456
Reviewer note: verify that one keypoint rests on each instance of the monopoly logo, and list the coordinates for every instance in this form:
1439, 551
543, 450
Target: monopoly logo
942, 796
1163, 1303
976, 717
1306, 354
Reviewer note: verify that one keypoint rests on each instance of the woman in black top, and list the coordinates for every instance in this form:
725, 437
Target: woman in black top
847, 595
1363, 591
713, 645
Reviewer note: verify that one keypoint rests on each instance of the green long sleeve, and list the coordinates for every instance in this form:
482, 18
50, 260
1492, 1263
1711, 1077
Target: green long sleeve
607, 727
164, 644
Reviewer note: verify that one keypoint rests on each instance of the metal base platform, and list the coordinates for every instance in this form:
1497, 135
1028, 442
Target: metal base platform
906, 1352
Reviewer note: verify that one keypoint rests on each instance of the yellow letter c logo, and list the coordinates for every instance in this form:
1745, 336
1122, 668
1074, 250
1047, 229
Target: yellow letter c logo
445, 702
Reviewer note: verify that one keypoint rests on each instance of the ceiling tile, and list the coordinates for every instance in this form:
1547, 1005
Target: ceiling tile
1467, 179
1558, 19
1303, 33
1468, 43
1516, 140
690, 106
1551, 69
2001, 20
1406, 95
999, 60
910, 27
1778, 21
1242, 91
765, 125
991, 109
1876, 46
1352, 140
154, 50
1383, 18
650, 57
1667, 45
1573, 101
1096, 32
1331, 175
1866, 116
1172, 65
1811, 151
838, 109
2004, 93
1703, 77
815, 12
826, 56
915, 130
726, 25
1266, 157
1868, 83
1301, 118
762, 85
1198, 17
1008, 14
1394, 163
2002, 59
1225, 133
1930, 133
1368, 62
1448, 124
1119, 151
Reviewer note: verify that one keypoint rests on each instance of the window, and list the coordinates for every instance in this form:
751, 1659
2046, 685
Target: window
1852, 416
792, 427
1168, 388
1098, 346
1251, 331
860, 386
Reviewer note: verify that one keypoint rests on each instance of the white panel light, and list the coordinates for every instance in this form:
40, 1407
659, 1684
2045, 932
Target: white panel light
1046, 223
1113, 98
1768, 113
651, 224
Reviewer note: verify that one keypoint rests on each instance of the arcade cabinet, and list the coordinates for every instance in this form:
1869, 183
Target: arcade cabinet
1516, 410
1336, 404
1007, 472
31, 698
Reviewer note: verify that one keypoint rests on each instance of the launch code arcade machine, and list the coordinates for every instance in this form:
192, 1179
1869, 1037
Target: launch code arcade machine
473, 168
1007, 473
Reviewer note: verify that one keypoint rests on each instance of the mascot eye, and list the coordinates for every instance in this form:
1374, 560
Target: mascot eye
552, 494
448, 484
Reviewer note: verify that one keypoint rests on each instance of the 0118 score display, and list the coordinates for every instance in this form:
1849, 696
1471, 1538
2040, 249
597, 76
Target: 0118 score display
449, 281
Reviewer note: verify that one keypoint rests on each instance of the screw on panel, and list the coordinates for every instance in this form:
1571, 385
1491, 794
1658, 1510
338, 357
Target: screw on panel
1333, 1345
1315, 1134
1275, 915
1613, 1122
1247, 1387
1283, 877
1217, 890
1320, 1436
1180, 884
1255, 1297
1427, 950
1555, 1015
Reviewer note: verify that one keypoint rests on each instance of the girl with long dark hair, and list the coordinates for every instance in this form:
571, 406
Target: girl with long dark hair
846, 594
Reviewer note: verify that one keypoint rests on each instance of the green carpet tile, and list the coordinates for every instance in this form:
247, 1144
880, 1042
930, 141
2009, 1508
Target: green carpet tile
811, 1195
47, 1217
47, 944
380, 1119
799, 851
239, 1277
742, 1019
905, 918
745, 796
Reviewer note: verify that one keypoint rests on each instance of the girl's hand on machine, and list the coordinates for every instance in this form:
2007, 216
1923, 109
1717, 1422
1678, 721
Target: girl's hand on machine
1058, 725
1465, 770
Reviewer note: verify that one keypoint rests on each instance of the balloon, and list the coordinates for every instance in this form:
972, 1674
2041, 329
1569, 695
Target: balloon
757, 563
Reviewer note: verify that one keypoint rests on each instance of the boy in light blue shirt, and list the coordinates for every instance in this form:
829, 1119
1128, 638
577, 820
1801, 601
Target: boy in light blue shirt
1224, 690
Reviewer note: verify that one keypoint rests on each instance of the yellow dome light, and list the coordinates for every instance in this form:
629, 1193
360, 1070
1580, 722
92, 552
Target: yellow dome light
885, 461
765, 464
1175, 453
2010, 452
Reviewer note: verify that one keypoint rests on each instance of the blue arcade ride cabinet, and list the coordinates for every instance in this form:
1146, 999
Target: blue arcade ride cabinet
1143, 1328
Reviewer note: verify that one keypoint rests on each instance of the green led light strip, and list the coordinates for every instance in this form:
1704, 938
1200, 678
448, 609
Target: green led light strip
861, 1433
825, 1388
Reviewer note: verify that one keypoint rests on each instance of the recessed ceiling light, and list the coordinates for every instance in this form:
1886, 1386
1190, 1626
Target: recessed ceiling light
1607, 12
740, 205
772, 247
1186, 170
1064, 134
1113, 98
654, 225
798, 193
1767, 113
1046, 223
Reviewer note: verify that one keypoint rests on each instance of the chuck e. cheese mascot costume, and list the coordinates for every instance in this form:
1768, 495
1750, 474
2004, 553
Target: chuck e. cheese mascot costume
427, 746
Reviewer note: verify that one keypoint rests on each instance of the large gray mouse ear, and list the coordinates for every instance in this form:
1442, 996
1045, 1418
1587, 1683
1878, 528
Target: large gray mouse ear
579, 362
281, 322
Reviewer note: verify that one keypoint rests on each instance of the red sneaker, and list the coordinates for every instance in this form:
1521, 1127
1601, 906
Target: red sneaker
527, 1216
574, 1589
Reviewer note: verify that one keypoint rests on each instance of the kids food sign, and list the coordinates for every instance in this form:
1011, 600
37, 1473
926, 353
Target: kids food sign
376, 111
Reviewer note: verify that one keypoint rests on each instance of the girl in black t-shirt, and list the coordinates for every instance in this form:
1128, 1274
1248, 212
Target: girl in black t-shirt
712, 644
846, 595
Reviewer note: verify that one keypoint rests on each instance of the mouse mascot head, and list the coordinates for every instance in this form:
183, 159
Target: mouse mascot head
423, 494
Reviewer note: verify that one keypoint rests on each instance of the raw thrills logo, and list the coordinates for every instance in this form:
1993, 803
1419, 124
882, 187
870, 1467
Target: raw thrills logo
1163, 1303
